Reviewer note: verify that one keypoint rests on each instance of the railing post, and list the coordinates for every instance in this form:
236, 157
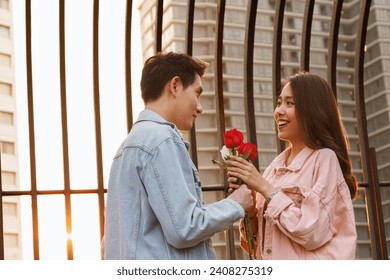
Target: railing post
277, 59
31, 131
375, 213
370, 171
189, 38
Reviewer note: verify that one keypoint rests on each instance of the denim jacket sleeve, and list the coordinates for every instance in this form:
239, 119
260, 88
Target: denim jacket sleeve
174, 193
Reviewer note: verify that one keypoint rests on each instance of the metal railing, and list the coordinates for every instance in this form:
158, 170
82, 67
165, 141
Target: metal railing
372, 186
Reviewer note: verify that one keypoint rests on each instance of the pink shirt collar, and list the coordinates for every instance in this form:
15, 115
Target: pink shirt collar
279, 162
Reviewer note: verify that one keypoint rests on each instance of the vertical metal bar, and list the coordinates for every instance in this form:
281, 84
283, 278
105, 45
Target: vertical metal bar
159, 21
96, 95
250, 118
30, 101
218, 70
65, 148
219, 101
376, 227
1, 216
277, 58
333, 43
190, 26
376, 204
129, 102
188, 43
306, 35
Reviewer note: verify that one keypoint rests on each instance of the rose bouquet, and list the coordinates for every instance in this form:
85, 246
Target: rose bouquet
235, 145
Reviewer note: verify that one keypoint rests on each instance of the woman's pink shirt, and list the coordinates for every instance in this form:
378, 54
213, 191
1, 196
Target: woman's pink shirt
311, 216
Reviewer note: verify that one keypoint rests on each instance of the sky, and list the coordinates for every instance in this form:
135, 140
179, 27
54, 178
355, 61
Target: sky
47, 110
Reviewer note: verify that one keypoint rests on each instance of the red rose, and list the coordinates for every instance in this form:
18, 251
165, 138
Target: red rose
233, 138
248, 148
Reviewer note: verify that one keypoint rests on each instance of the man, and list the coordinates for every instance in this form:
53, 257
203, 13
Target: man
154, 202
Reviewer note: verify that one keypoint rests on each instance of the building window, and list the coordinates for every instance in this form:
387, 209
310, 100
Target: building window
8, 177
7, 147
6, 118
4, 4
5, 89
292, 39
294, 56
290, 22
11, 240
5, 60
5, 31
10, 209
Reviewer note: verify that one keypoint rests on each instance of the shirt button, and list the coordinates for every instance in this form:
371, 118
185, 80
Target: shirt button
268, 251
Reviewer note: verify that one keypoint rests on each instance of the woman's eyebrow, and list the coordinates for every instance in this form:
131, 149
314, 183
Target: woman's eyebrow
285, 97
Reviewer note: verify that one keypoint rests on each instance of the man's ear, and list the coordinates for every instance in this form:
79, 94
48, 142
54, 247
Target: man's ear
174, 83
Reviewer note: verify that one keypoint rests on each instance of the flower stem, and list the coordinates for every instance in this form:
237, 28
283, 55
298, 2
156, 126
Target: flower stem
220, 164
249, 237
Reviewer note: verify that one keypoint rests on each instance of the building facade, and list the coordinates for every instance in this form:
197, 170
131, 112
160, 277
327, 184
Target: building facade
377, 80
8, 135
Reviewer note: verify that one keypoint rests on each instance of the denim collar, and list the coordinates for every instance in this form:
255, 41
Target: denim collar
149, 115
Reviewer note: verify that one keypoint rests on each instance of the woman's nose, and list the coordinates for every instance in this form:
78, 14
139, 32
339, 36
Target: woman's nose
279, 110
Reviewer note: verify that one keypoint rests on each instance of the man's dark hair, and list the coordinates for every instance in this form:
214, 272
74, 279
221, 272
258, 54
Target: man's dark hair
161, 68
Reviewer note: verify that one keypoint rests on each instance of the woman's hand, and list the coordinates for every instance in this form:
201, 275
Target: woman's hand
247, 172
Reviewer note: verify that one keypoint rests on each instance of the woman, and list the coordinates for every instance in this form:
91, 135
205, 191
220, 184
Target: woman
304, 198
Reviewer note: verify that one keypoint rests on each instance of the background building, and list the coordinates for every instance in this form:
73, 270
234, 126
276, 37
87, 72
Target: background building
377, 79
8, 135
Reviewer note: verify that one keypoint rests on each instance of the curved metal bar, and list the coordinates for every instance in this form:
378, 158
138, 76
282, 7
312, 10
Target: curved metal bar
250, 118
378, 236
277, 58
306, 35
129, 101
190, 26
64, 126
30, 100
377, 219
189, 46
159, 22
333, 43
96, 98
218, 70
219, 101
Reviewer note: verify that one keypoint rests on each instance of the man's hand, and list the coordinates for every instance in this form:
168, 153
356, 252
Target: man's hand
243, 196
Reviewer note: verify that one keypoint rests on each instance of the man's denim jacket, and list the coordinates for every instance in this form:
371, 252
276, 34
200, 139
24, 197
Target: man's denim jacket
154, 201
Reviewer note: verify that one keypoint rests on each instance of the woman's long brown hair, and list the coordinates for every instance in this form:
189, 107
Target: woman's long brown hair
319, 117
